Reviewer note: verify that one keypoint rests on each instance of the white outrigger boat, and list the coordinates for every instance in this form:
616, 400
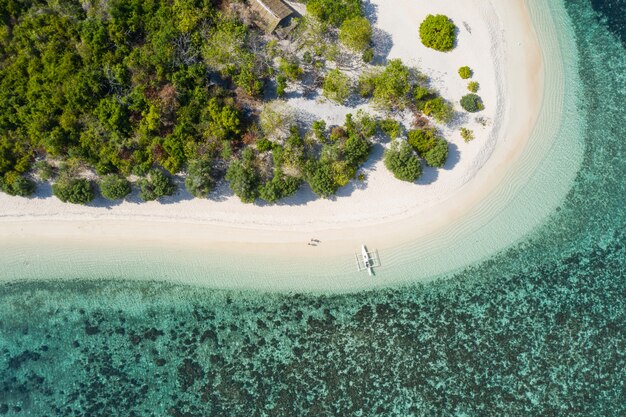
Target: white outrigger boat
367, 261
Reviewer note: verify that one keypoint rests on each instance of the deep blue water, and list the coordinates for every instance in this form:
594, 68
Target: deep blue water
538, 330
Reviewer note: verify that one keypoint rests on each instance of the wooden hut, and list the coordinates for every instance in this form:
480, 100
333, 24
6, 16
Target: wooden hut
269, 14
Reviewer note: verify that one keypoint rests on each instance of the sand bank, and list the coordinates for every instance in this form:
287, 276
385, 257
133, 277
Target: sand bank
496, 39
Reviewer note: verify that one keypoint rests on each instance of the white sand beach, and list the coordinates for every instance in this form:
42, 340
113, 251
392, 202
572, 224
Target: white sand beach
496, 39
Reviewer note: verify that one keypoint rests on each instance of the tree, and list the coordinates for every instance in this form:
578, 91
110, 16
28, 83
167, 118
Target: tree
473, 86
472, 103
356, 149
114, 187
17, 185
465, 72
155, 185
73, 190
422, 140
336, 86
356, 33
335, 12
439, 109
320, 177
437, 156
402, 162
437, 32
279, 187
199, 180
391, 128
243, 177
390, 87
223, 120
467, 134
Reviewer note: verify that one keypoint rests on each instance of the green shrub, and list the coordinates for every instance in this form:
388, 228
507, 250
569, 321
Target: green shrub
281, 85
114, 187
243, 177
279, 187
320, 177
368, 55
437, 32
390, 87
366, 83
391, 128
334, 11
467, 134
17, 185
291, 70
199, 181
436, 157
473, 86
472, 103
421, 95
73, 190
356, 150
439, 109
422, 140
465, 72
356, 33
155, 185
319, 130
264, 145
336, 86
402, 162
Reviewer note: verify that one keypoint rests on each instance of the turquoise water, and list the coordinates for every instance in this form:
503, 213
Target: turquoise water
536, 330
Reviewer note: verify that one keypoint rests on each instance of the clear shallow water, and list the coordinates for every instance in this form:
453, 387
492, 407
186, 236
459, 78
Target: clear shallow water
536, 330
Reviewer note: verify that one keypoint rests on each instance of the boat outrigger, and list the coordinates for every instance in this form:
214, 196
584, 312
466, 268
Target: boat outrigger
367, 261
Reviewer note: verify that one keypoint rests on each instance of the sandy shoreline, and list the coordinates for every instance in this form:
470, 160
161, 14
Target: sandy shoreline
506, 57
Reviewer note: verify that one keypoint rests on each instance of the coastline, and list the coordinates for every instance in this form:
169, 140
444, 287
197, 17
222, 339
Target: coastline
274, 238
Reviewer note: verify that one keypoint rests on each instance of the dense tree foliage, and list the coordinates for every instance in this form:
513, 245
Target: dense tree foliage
437, 32
335, 12
402, 161
157, 88
389, 87
473, 86
73, 190
422, 140
121, 87
199, 180
356, 33
472, 103
17, 185
391, 128
155, 185
438, 154
439, 109
114, 187
244, 178
337, 86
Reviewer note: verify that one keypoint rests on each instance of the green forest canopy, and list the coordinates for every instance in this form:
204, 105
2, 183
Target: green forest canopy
129, 86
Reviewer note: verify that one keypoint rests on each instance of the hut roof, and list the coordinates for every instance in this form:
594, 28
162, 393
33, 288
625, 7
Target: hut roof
270, 13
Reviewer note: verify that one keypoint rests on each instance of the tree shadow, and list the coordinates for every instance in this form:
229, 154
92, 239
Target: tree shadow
454, 156
371, 11
302, 197
429, 175
382, 43
43, 191
459, 119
